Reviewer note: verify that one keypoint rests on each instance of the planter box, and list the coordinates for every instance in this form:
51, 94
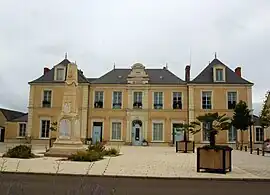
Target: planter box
185, 146
214, 160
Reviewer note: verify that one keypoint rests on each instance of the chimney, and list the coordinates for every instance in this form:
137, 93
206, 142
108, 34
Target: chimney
238, 71
187, 78
46, 70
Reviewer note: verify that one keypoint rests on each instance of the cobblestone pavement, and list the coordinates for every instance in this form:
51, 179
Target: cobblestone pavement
144, 161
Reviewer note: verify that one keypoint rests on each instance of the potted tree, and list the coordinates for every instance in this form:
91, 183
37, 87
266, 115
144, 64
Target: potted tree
145, 142
185, 145
212, 157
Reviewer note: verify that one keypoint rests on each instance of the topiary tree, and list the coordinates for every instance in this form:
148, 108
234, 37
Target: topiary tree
241, 118
265, 114
216, 123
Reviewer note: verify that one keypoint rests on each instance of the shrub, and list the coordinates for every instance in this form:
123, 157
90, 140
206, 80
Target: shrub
98, 147
111, 152
88, 156
21, 151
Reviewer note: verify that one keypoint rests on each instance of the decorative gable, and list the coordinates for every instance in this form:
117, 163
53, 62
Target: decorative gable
138, 75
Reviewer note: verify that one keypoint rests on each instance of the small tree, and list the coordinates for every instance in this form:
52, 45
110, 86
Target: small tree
241, 118
265, 114
184, 127
216, 123
53, 127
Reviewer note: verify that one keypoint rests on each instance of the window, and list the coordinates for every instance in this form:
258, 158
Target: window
232, 134
177, 100
206, 129
47, 97
116, 131
158, 100
206, 100
232, 96
45, 128
22, 129
157, 131
60, 72
259, 137
117, 99
98, 99
219, 74
137, 100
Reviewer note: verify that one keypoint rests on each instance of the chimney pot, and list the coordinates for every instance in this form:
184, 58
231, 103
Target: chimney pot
187, 77
238, 71
46, 70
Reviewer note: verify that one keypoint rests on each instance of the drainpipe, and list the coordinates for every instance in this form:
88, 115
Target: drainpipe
88, 112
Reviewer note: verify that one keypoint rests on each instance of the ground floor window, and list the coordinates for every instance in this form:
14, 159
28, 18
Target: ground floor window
22, 130
116, 131
45, 129
157, 131
205, 132
232, 134
259, 135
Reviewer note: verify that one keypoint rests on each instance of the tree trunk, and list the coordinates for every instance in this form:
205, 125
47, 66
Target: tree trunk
212, 138
185, 136
242, 139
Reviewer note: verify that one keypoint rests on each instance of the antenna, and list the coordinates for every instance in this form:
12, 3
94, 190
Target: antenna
66, 55
114, 65
166, 65
215, 55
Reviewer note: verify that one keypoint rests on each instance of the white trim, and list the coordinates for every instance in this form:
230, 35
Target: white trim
212, 99
121, 99
40, 126
237, 97
92, 126
116, 121
133, 91
218, 66
94, 95
255, 134
175, 122
18, 130
153, 100
182, 99
163, 129
42, 97
55, 72
202, 140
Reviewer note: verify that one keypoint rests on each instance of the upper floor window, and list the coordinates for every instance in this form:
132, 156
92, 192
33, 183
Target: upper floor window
137, 100
177, 100
206, 130
99, 99
22, 130
219, 74
47, 98
206, 100
158, 100
259, 134
117, 99
232, 98
60, 74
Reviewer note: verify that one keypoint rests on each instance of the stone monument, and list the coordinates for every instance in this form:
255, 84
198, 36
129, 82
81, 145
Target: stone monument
68, 136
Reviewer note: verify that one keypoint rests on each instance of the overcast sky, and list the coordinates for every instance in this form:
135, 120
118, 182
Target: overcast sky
97, 34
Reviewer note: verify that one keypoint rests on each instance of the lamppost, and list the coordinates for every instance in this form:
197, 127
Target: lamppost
250, 130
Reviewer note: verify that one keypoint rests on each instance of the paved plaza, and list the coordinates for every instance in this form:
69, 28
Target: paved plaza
142, 161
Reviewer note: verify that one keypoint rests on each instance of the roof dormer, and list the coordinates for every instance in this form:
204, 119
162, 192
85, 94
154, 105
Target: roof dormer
138, 75
59, 73
219, 73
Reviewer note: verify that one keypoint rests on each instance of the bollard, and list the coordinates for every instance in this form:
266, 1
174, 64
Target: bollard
258, 151
241, 147
263, 152
245, 148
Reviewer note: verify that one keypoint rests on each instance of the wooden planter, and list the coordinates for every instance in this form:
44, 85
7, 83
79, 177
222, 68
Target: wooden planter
214, 160
185, 146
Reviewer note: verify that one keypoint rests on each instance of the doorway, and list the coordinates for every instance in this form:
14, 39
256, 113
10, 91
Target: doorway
97, 132
136, 132
178, 135
2, 134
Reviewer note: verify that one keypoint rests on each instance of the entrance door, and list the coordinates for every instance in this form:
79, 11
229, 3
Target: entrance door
97, 132
178, 133
2, 134
136, 135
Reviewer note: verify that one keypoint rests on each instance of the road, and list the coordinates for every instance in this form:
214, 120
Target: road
31, 184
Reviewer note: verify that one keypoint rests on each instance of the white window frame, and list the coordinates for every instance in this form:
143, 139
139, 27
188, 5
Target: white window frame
228, 135
163, 130
103, 98
181, 95
135, 100
211, 99
202, 135
162, 98
19, 129
255, 132
219, 70
118, 100
56, 75
227, 98
217, 67
43, 95
121, 130
40, 128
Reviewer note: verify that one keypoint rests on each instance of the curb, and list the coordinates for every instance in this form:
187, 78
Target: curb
143, 177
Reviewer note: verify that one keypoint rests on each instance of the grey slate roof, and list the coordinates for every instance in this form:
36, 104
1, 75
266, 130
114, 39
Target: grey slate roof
206, 76
11, 114
156, 76
23, 118
49, 76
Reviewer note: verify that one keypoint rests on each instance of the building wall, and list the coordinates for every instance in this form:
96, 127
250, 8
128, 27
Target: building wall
2, 120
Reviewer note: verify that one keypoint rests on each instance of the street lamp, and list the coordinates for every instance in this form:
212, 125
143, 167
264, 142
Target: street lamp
250, 130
